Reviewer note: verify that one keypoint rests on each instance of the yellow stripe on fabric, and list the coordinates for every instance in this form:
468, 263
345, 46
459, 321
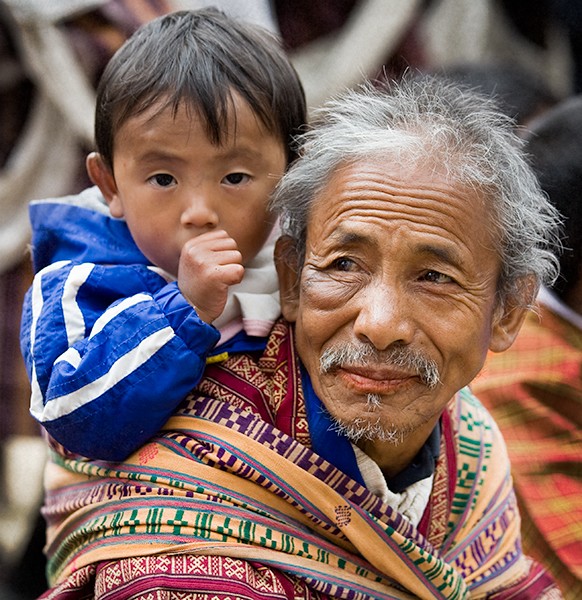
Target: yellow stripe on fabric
217, 358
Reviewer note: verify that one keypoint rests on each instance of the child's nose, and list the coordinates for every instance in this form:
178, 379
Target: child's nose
199, 211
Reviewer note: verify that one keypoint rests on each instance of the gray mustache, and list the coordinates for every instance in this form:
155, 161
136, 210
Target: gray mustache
352, 355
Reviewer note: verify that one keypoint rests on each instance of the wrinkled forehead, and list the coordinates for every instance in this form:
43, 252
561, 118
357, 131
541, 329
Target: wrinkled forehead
397, 181
379, 197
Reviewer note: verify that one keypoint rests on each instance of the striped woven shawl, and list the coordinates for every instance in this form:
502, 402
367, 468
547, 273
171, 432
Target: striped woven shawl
233, 475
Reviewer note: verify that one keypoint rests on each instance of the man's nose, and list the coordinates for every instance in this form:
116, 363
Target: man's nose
384, 316
199, 210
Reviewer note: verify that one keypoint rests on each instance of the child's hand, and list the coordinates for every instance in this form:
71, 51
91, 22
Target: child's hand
209, 265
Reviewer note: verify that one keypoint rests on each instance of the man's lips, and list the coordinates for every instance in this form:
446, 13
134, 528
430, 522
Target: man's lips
380, 380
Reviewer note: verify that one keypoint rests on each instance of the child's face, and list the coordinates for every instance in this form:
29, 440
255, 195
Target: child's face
172, 183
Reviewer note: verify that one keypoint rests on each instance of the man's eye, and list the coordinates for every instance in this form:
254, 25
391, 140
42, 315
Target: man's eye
437, 277
343, 264
236, 178
163, 179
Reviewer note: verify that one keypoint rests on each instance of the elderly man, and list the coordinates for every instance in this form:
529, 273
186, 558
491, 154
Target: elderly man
346, 459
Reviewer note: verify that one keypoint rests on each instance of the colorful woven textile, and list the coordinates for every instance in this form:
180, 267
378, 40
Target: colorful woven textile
230, 497
534, 391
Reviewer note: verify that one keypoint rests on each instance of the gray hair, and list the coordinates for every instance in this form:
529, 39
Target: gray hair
432, 122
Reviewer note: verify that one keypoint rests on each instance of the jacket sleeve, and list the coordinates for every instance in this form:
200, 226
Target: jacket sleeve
110, 351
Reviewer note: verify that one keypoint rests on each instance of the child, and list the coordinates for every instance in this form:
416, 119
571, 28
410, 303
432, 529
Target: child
138, 277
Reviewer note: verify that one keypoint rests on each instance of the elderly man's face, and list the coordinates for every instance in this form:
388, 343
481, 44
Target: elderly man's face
396, 304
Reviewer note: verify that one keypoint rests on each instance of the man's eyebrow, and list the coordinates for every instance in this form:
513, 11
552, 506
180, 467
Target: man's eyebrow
446, 254
349, 238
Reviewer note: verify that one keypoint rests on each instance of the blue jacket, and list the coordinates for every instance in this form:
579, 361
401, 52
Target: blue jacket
110, 345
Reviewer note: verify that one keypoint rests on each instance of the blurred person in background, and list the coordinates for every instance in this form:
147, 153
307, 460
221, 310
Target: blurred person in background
534, 389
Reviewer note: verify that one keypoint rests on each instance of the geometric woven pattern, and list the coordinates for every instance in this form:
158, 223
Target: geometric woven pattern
230, 500
534, 391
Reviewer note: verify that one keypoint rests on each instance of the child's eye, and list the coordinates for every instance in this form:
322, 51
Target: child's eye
236, 178
163, 179
437, 277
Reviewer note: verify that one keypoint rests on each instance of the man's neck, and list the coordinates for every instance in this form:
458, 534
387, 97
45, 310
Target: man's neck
392, 457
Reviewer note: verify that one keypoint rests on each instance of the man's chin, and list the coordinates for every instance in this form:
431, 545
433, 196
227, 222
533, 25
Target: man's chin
371, 430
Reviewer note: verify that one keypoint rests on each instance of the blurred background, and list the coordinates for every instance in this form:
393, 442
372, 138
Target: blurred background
528, 54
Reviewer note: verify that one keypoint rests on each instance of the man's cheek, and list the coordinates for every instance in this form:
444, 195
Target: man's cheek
327, 293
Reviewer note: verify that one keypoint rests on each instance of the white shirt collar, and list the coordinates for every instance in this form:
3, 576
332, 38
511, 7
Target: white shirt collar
411, 503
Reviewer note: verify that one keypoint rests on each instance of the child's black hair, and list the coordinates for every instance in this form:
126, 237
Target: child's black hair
199, 59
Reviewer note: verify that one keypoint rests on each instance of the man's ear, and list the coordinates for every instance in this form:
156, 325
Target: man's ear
288, 272
510, 314
102, 176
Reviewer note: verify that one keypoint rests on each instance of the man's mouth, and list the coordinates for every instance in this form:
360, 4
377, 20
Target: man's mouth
380, 380
368, 370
